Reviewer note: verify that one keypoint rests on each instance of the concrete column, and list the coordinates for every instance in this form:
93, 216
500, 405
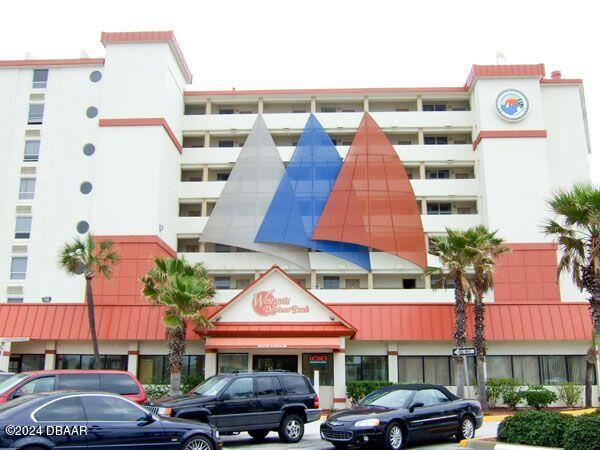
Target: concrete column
313, 105
205, 172
422, 174
421, 137
313, 279
427, 281
206, 140
423, 206
50, 356
366, 104
208, 106
133, 355
204, 209
210, 364
339, 377
369, 280
392, 362
202, 247
419, 103
5, 350
261, 106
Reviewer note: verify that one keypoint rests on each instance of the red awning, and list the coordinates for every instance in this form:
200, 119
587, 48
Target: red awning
312, 343
253, 329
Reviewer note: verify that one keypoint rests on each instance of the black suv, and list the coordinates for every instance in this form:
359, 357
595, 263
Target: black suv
256, 402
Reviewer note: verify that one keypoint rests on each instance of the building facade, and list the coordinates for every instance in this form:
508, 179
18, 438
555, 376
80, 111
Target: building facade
312, 210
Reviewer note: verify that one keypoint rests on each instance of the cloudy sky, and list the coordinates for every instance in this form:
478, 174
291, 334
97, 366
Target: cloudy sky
327, 43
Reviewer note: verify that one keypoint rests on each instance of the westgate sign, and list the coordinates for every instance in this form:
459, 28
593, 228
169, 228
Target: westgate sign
265, 303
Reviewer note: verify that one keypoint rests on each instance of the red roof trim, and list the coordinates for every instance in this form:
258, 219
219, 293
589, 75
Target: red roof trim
256, 329
562, 81
52, 62
320, 91
143, 122
504, 134
504, 70
139, 239
150, 36
533, 246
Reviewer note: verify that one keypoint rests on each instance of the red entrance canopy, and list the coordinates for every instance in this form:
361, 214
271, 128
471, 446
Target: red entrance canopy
313, 343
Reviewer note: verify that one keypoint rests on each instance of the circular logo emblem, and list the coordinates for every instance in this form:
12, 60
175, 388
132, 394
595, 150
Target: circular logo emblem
512, 105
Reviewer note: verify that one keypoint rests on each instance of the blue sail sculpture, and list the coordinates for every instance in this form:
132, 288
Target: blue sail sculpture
301, 196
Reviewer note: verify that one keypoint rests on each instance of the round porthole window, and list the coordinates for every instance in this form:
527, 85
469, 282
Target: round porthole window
85, 187
91, 112
95, 76
89, 149
83, 227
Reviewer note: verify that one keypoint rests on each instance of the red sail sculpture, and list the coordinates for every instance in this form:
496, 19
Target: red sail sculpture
372, 202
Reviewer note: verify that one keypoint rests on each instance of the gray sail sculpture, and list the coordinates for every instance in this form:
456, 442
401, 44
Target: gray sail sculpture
246, 197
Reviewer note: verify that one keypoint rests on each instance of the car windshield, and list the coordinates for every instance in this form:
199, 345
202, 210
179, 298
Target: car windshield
12, 382
395, 399
212, 386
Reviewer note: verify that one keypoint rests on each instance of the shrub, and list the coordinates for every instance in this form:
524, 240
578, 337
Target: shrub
154, 391
538, 397
512, 398
497, 388
582, 433
190, 381
357, 390
570, 393
533, 427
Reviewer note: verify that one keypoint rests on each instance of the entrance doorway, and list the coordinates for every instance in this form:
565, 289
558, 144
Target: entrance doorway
265, 363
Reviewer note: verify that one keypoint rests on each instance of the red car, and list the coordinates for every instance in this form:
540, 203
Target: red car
114, 381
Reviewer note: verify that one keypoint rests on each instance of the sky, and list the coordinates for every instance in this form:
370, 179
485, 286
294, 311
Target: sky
328, 43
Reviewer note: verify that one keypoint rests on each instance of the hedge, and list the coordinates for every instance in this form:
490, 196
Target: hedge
357, 390
583, 433
534, 427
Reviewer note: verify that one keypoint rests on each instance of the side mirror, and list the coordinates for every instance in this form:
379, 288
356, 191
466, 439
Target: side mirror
415, 405
225, 396
149, 418
18, 393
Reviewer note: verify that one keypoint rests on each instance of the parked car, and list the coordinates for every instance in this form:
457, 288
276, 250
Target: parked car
395, 415
80, 420
256, 402
114, 381
5, 375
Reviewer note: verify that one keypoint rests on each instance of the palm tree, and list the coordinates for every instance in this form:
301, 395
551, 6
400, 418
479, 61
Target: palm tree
89, 258
184, 290
455, 257
485, 247
576, 229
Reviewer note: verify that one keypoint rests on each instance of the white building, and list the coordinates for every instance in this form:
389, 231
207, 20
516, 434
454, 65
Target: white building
126, 148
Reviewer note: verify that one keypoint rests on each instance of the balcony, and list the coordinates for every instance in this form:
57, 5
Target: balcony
439, 223
446, 188
191, 225
200, 189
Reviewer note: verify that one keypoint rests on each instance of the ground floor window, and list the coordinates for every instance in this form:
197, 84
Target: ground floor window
323, 362
106, 362
432, 369
154, 369
26, 363
366, 368
230, 362
539, 369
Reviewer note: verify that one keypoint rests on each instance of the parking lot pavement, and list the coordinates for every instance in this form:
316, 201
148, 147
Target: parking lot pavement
312, 440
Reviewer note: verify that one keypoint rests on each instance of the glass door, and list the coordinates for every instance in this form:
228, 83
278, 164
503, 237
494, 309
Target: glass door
266, 363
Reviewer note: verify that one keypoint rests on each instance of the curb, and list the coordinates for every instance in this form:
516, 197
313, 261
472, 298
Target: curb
485, 444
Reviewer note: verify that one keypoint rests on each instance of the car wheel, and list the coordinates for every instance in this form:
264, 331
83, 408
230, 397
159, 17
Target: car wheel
198, 443
394, 437
291, 429
466, 429
258, 434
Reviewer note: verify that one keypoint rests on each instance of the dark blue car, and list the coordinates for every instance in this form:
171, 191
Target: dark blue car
89, 420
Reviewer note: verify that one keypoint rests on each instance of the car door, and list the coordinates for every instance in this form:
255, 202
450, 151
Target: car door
270, 400
66, 418
237, 406
428, 420
450, 410
114, 422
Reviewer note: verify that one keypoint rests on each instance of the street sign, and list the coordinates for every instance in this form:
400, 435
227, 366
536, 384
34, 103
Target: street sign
467, 351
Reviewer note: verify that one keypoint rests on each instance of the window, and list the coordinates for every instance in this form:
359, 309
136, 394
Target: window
436, 107
242, 284
101, 408
25, 363
26, 188
295, 385
14, 300
526, 369
328, 109
366, 368
437, 174
223, 282
410, 369
432, 369
118, 383
430, 397
240, 388
230, 362
193, 110
224, 144
323, 362
23, 227
438, 283
153, 369
106, 362
40, 78
499, 367
42, 384
85, 187
439, 208
409, 283
82, 227
435, 140
268, 386
437, 370
18, 267
553, 369
91, 112
221, 248
32, 151
64, 410
331, 282
222, 176
95, 76
352, 283
79, 381
225, 110
471, 370
36, 114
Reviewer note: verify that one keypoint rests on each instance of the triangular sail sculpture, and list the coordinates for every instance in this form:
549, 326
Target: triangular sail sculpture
302, 194
372, 202
246, 197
